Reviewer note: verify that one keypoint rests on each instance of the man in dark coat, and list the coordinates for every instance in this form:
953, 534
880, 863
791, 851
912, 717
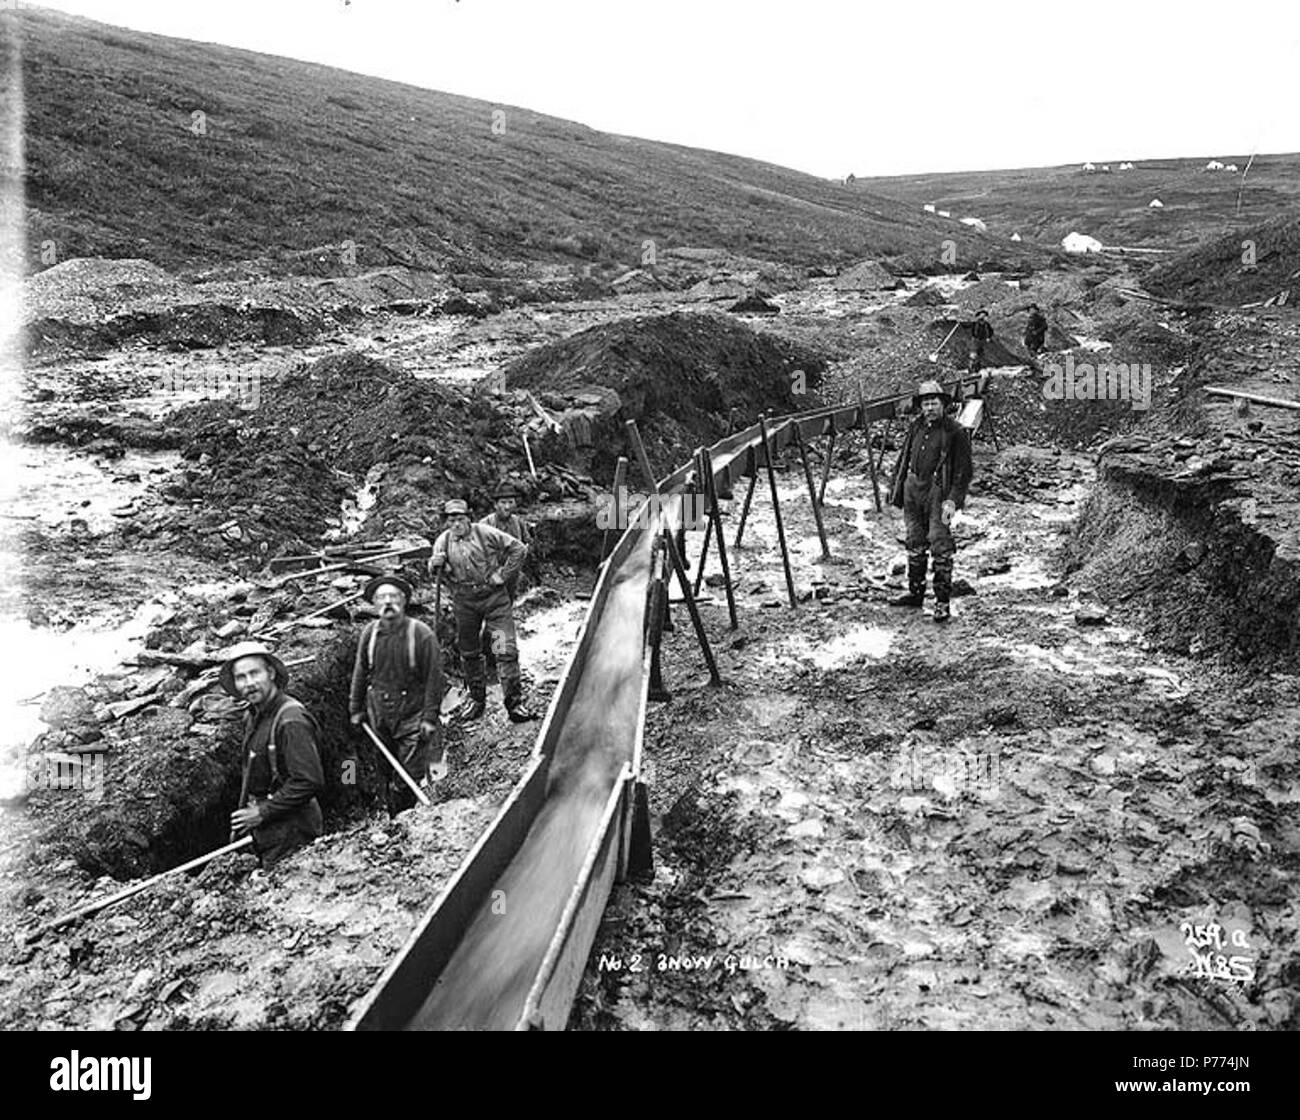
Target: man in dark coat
1035, 331
397, 686
282, 769
929, 484
981, 333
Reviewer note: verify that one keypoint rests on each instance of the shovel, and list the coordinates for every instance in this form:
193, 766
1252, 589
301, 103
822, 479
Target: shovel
933, 356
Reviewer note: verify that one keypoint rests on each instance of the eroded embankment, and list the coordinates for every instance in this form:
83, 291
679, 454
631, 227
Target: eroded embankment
1184, 543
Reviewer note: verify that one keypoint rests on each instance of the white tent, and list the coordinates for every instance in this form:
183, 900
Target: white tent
1080, 243
1089, 167
944, 214
1015, 237
1126, 166
1156, 204
1231, 167
975, 223
1214, 165
928, 207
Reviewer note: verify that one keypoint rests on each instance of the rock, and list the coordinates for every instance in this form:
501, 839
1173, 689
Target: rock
1190, 555
229, 629
1091, 615
962, 587
67, 707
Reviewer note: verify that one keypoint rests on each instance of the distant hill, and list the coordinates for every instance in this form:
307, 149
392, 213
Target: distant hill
284, 157
1046, 203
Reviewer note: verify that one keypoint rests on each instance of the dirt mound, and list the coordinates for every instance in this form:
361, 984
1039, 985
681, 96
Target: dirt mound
991, 293
1216, 272
677, 375
274, 478
868, 276
926, 297
755, 303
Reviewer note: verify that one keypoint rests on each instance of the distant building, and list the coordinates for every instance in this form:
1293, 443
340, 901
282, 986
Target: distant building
975, 223
943, 214
1080, 243
928, 207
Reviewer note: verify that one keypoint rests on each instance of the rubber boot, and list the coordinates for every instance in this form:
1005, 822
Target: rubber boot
942, 587
915, 596
516, 708
476, 705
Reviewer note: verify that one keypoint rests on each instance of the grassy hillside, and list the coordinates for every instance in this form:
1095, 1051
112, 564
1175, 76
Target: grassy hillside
295, 155
1046, 203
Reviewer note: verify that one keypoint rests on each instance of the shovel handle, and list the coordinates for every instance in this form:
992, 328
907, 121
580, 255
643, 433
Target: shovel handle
401, 770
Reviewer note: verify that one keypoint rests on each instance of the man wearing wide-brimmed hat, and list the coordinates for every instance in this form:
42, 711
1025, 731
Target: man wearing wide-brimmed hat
931, 476
282, 769
479, 561
397, 686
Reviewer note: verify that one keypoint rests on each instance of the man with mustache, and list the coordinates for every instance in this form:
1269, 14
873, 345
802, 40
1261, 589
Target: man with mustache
397, 686
282, 768
480, 561
931, 477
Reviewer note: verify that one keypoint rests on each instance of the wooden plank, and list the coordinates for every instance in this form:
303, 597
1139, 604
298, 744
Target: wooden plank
1254, 398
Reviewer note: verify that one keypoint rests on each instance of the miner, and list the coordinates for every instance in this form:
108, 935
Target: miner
504, 517
981, 334
931, 476
1035, 331
479, 562
397, 687
282, 776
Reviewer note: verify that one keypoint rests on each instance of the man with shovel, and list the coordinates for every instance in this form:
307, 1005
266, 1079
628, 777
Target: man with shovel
282, 769
397, 687
931, 476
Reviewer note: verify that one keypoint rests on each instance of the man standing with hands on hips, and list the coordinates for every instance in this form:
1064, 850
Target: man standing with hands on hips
479, 562
931, 477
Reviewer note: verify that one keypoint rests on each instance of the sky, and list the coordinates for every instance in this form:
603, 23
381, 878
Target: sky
824, 86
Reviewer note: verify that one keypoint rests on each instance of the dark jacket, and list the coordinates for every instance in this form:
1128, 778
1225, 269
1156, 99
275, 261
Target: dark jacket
283, 778
981, 331
1036, 327
954, 470
404, 679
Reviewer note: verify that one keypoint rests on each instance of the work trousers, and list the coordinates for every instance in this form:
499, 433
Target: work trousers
487, 610
272, 842
927, 536
401, 735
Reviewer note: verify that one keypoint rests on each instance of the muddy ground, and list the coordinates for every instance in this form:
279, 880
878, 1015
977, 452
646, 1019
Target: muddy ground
878, 822
1004, 823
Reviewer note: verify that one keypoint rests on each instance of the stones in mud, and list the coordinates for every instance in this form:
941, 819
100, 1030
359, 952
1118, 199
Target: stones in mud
1190, 556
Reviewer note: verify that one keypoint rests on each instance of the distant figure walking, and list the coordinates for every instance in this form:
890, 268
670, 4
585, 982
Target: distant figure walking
1035, 331
981, 333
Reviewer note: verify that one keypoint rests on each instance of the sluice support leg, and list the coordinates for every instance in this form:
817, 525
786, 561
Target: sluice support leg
744, 510
776, 507
711, 491
826, 470
812, 492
